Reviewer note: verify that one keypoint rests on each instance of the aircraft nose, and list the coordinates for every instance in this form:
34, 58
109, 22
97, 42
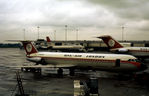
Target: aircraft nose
143, 66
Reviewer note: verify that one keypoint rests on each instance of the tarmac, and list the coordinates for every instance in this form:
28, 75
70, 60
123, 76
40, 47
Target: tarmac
49, 84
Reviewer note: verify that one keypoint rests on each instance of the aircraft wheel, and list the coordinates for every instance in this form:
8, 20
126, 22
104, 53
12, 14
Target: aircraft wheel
43, 62
38, 70
37, 63
60, 72
71, 72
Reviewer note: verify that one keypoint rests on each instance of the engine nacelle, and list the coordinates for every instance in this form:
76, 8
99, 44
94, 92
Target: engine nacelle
123, 50
34, 59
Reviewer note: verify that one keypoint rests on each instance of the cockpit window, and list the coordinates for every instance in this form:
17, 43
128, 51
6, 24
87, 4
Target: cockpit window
137, 60
134, 60
129, 59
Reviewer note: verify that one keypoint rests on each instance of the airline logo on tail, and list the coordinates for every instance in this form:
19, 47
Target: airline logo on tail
48, 39
110, 42
29, 47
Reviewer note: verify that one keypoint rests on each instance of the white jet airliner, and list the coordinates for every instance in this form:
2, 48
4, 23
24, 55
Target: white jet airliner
67, 47
115, 46
105, 62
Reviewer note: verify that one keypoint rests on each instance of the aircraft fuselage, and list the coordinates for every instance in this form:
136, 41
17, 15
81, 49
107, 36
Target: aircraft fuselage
90, 61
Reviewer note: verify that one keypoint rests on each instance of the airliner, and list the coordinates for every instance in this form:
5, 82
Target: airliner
115, 46
87, 61
66, 47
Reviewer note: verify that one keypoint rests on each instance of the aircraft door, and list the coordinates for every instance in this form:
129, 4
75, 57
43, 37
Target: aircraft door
117, 63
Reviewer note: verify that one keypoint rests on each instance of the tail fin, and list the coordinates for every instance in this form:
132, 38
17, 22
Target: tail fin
29, 47
110, 42
48, 39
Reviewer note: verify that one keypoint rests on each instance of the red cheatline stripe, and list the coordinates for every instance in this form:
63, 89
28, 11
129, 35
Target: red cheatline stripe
138, 51
80, 59
137, 64
131, 50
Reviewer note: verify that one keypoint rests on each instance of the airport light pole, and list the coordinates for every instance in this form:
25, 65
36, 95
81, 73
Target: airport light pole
38, 31
77, 30
66, 32
24, 33
123, 33
54, 34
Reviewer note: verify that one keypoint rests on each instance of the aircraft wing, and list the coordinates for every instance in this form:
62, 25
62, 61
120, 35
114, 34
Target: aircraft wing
18, 40
44, 66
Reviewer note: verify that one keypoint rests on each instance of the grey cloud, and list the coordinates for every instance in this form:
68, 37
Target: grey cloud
119, 3
130, 9
90, 15
130, 13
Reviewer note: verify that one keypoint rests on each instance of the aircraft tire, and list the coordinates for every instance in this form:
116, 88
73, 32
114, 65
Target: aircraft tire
43, 62
71, 72
60, 72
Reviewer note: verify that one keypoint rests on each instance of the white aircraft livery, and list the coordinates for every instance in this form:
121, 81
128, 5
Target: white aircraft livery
105, 62
67, 47
115, 46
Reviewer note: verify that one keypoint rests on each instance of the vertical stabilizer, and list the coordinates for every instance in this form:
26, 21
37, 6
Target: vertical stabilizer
29, 47
110, 42
48, 39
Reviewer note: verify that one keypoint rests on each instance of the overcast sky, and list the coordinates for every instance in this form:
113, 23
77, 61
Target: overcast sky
90, 17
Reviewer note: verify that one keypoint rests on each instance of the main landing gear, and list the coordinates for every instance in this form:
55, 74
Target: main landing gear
60, 72
29, 69
71, 72
38, 70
